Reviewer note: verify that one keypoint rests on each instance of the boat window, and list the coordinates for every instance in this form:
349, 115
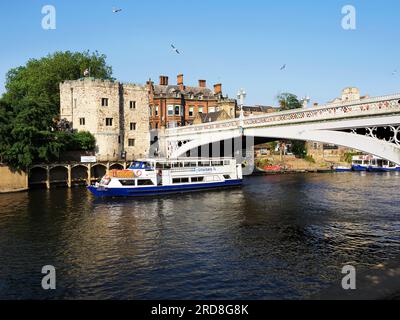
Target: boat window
217, 163
130, 182
177, 164
197, 179
135, 165
180, 180
204, 164
159, 165
227, 177
145, 182
227, 163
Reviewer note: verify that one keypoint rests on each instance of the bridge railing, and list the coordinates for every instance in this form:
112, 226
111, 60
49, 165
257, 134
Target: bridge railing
365, 107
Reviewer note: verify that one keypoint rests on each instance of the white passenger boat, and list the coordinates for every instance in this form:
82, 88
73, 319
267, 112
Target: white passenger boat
373, 164
361, 162
158, 176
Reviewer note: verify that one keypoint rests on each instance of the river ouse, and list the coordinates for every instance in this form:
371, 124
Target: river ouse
281, 236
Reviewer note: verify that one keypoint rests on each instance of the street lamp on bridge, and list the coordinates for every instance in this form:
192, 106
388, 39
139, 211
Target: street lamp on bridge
241, 95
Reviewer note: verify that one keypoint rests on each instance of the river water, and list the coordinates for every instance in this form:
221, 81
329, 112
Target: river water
283, 236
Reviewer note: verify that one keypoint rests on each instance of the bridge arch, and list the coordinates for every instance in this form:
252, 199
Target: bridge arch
379, 148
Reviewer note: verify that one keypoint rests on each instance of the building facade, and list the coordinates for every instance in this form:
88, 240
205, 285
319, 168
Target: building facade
116, 114
178, 105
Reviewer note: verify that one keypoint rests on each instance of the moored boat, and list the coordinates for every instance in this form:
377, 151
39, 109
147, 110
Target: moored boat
338, 168
361, 163
381, 165
373, 164
160, 176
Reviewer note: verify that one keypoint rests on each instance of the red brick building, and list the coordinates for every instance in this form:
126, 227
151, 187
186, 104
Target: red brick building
177, 105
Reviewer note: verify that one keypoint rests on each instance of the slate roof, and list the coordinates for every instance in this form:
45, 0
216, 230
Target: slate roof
172, 90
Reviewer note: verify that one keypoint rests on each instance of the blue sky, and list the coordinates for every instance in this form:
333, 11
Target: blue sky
239, 43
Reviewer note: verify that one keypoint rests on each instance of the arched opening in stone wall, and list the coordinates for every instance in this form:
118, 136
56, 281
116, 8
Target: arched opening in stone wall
37, 177
79, 175
59, 176
98, 171
116, 166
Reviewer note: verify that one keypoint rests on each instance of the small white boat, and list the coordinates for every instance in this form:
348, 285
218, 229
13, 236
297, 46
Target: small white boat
338, 168
159, 176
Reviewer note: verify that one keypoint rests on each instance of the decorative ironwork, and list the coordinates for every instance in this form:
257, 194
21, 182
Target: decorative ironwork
373, 106
388, 133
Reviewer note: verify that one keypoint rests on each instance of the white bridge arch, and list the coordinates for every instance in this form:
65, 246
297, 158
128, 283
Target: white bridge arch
332, 124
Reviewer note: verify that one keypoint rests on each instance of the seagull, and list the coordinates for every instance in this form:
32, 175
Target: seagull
283, 67
394, 73
175, 49
116, 10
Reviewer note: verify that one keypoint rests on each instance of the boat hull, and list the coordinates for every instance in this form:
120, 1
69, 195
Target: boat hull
380, 169
359, 168
159, 190
343, 170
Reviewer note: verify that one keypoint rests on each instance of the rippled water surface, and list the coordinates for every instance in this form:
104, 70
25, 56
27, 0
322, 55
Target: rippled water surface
277, 237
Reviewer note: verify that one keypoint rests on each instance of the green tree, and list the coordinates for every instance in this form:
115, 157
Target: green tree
30, 138
32, 102
39, 79
299, 148
288, 101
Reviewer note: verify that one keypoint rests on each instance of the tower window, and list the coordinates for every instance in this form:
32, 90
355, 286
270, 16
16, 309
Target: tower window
104, 102
109, 122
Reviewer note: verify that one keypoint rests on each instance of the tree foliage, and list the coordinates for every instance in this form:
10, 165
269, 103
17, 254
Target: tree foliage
288, 101
39, 79
31, 104
299, 148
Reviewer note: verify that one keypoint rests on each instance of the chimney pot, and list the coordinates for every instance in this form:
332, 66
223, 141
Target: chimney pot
202, 83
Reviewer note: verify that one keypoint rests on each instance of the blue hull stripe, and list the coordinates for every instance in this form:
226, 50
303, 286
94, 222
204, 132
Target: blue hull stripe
383, 169
138, 192
359, 168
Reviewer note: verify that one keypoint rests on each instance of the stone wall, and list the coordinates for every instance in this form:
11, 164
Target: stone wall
140, 116
82, 103
12, 181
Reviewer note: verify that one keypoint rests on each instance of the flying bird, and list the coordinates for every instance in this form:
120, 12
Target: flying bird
175, 49
394, 73
283, 67
116, 10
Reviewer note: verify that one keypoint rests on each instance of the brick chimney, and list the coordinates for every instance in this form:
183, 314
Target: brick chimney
202, 83
180, 81
218, 88
163, 81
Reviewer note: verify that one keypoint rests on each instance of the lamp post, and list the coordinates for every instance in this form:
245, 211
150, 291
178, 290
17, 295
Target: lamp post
241, 96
